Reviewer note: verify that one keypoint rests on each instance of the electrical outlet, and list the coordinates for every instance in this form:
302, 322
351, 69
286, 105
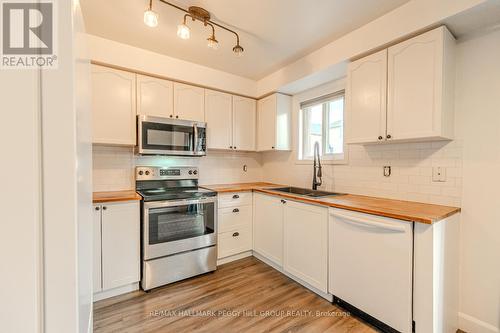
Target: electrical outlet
438, 174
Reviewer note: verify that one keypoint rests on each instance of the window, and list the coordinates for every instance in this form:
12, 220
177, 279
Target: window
322, 121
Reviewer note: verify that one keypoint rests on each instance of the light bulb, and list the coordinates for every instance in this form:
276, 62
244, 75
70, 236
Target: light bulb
212, 42
150, 18
183, 31
238, 50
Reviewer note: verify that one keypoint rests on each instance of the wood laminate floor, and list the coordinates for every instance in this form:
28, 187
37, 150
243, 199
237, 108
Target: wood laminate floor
243, 296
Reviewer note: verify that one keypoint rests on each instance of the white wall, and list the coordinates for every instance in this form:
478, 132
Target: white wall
118, 54
411, 164
478, 115
113, 167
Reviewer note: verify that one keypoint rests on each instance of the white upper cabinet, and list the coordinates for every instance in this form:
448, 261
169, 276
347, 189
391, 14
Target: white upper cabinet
274, 122
189, 102
403, 93
366, 99
155, 97
113, 106
306, 243
420, 87
244, 119
218, 115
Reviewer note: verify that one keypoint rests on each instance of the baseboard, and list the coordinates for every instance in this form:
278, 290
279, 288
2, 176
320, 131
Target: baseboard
315, 290
116, 291
473, 325
238, 256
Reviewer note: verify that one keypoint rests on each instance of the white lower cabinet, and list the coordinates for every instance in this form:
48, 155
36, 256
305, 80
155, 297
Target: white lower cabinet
306, 243
268, 227
371, 265
234, 224
116, 245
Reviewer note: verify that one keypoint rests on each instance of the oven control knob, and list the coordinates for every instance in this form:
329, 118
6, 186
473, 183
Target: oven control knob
190, 172
195, 172
141, 172
147, 173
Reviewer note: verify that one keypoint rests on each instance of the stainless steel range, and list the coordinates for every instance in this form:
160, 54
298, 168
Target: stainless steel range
179, 225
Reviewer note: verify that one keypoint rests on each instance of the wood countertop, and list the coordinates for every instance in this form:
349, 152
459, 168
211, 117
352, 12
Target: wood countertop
111, 196
398, 209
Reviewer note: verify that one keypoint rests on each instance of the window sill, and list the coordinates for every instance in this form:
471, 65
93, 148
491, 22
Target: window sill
323, 162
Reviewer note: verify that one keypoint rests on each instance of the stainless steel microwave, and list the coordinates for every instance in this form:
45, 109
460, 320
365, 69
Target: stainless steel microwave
165, 136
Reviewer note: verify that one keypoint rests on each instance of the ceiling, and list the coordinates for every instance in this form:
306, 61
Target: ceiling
274, 33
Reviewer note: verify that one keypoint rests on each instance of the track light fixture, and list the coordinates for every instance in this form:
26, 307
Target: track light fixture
196, 14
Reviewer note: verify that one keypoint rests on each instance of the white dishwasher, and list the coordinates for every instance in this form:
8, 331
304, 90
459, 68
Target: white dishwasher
371, 265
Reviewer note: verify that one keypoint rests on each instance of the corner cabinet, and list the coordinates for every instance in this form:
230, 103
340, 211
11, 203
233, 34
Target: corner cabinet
403, 93
189, 102
155, 97
113, 106
116, 248
274, 120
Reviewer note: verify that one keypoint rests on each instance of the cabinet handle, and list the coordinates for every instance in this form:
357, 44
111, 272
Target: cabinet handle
104, 208
388, 136
236, 210
230, 147
272, 147
234, 147
236, 234
236, 196
283, 201
177, 117
171, 116
380, 137
97, 208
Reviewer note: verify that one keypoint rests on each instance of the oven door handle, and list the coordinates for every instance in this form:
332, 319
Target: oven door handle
167, 203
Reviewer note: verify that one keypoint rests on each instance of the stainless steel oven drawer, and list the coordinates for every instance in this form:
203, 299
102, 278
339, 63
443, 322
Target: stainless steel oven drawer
161, 271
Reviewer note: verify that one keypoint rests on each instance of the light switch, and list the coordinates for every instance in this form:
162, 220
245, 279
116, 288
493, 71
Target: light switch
438, 174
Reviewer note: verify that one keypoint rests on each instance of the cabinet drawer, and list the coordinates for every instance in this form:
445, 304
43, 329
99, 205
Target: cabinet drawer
234, 242
232, 218
235, 199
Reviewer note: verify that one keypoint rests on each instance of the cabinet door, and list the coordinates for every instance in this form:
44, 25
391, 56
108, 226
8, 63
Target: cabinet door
266, 123
244, 119
268, 227
155, 97
113, 106
366, 99
218, 114
96, 240
189, 102
120, 244
306, 243
415, 72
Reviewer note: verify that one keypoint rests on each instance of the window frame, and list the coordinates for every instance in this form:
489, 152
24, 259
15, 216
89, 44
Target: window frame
326, 158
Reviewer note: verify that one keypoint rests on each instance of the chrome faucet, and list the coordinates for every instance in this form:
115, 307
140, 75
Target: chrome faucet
316, 168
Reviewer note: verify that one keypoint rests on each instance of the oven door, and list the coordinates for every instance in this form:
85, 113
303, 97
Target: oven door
164, 136
171, 227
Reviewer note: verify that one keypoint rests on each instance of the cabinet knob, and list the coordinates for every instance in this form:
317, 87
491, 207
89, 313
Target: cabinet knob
388, 136
380, 137
97, 208
234, 147
236, 196
104, 208
171, 116
283, 201
230, 147
177, 117
236, 234
236, 210
272, 147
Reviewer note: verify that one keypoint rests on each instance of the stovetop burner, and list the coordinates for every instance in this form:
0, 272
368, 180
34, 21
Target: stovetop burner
169, 183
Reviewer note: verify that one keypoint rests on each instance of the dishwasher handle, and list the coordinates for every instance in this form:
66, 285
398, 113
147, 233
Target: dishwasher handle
369, 223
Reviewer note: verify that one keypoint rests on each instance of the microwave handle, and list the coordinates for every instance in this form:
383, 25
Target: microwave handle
195, 137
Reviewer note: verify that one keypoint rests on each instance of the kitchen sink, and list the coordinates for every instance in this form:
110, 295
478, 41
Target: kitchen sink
305, 192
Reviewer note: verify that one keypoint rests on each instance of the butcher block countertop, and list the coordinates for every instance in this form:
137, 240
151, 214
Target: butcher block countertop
111, 196
398, 209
